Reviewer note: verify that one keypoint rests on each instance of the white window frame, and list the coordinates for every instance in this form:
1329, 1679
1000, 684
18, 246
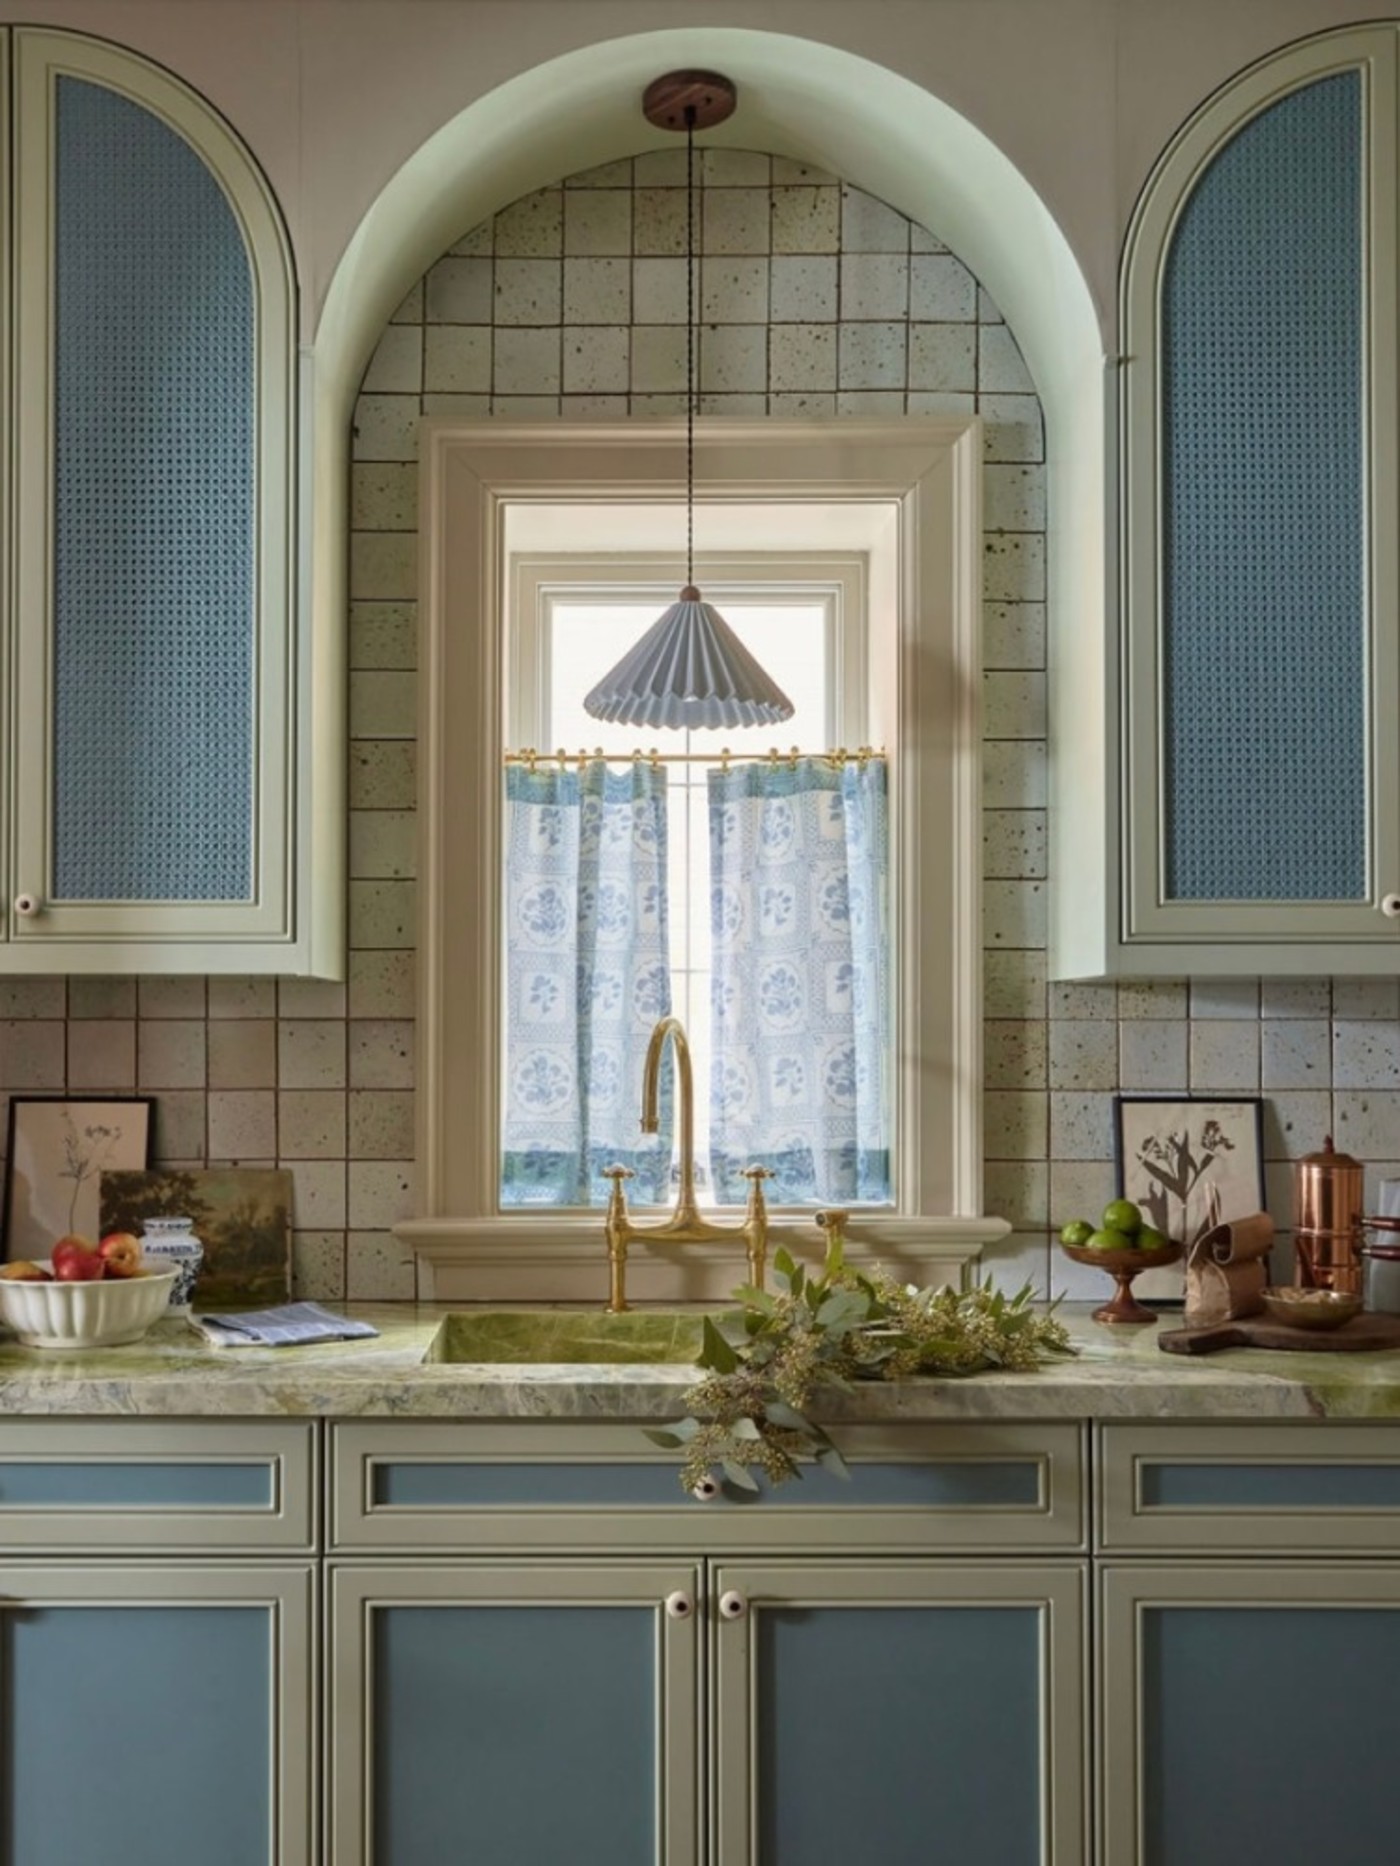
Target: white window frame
913, 487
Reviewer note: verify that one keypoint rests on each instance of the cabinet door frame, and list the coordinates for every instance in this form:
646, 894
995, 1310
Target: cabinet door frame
1227, 935
287, 1591
356, 1590
57, 934
1126, 1592
1058, 1589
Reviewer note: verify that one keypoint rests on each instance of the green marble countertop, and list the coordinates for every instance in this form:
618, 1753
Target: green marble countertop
1118, 1374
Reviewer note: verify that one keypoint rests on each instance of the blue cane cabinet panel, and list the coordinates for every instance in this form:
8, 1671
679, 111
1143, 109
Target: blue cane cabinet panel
1262, 793
157, 1487
1320, 1488
152, 1716
475, 1488
1240, 1710
153, 330
899, 1711
522, 1713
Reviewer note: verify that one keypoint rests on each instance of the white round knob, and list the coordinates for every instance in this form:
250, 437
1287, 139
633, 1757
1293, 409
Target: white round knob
732, 1605
1390, 906
26, 904
680, 1605
705, 1491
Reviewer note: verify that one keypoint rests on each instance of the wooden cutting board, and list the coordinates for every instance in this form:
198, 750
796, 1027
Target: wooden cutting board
1362, 1333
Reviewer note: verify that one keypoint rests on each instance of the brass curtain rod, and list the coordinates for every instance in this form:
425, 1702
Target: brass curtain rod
725, 758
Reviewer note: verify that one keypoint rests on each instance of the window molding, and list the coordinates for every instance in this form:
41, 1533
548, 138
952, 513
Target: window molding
920, 478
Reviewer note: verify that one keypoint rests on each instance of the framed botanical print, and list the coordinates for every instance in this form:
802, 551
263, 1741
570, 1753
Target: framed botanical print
1189, 1163
58, 1150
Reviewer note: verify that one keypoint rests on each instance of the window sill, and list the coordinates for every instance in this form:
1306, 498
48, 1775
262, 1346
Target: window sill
543, 1257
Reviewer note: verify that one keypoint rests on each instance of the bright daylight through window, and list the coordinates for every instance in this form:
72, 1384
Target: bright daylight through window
744, 894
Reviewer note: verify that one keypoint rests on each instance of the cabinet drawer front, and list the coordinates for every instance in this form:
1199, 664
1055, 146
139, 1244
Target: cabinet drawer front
1306, 1488
142, 1484
578, 1486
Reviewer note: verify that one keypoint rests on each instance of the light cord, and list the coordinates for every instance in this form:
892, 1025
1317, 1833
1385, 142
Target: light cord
690, 345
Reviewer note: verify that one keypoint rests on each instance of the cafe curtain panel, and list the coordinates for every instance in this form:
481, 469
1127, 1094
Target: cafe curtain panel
799, 855
587, 976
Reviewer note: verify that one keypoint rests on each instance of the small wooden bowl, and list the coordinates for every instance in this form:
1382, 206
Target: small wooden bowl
1310, 1308
1123, 1266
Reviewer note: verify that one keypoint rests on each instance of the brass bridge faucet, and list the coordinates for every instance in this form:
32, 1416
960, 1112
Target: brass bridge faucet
685, 1224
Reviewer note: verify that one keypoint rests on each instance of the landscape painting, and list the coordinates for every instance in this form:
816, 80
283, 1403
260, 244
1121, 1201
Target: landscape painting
242, 1215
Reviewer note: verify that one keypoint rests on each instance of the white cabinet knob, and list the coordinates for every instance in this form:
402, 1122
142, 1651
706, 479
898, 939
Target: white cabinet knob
26, 904
1390, 906
732, 1605
705, 1491
680, 1605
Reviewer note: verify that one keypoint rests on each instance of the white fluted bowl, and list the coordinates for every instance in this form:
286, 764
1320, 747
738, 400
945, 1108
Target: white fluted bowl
104, 1313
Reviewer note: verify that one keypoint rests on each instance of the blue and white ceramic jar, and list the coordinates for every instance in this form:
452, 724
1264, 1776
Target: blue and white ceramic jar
171, 1243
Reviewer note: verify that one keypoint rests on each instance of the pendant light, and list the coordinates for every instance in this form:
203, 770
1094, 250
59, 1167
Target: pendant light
690, 668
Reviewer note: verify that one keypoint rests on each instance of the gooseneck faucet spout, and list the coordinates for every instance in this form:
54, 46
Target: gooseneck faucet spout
687, 1211
685, 1225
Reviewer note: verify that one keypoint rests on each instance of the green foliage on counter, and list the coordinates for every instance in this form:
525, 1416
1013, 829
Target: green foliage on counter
824, 1332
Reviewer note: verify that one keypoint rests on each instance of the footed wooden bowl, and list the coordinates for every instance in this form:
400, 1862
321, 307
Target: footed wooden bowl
1123, 1266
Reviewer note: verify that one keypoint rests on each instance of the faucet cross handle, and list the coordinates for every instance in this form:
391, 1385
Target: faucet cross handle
618, 1173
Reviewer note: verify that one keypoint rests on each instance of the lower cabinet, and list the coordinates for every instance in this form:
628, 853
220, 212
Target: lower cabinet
156, 1714
793, 1713
1244, 1711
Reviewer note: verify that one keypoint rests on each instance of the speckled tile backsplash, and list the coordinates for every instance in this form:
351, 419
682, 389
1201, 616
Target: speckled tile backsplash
816, 300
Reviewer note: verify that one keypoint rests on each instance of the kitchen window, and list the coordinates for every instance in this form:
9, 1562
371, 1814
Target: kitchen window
580, 998
503, 507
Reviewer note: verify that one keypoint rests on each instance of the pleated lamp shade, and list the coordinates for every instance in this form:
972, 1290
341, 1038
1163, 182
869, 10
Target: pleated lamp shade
689, 669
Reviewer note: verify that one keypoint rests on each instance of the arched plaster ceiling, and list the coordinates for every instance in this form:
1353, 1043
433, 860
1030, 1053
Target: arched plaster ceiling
797, 98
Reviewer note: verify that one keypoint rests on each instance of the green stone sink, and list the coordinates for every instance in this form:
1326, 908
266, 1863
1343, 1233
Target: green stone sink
530, 1337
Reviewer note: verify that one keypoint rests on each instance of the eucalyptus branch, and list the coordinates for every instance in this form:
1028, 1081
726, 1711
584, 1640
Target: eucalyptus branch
747, 1416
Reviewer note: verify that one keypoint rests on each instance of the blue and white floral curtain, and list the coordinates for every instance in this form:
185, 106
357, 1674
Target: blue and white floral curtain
799, 856
587, 976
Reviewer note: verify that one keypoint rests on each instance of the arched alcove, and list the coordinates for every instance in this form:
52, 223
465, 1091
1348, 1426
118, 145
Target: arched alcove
817, 104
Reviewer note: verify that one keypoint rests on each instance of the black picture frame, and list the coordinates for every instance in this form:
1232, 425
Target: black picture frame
1172, 1158
53, 1139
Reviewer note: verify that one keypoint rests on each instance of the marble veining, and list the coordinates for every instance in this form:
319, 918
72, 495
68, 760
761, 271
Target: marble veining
1116, 1375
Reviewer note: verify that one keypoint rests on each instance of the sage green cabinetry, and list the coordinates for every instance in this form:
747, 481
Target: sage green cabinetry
156, 807
713, 1683
157, 1622
1242, 774
1249, 1643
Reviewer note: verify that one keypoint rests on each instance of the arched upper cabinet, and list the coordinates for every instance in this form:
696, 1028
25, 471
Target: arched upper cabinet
150, 820
1258, 677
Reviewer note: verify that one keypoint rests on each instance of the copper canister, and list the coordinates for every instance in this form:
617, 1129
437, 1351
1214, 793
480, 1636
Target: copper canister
1327, 1220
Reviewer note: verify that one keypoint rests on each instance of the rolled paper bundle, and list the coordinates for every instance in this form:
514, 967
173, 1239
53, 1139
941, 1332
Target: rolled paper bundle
1227, 1270
1240, 1240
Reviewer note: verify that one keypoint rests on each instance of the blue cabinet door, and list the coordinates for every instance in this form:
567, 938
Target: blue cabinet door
514, 1715
1241, 1710
156, 1716
901, 1712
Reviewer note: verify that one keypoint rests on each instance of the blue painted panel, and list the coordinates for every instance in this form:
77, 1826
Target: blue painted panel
899, 1734
993, 1485
137, 1736
1264, 514
1271, 1486
1228, 1694
153, 514
515, 1736
112, 1485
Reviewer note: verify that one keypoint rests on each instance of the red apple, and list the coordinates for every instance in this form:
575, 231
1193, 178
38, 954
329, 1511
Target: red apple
120, 1253
76, 1260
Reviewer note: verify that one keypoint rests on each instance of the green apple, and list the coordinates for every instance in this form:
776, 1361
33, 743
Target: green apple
1108, 1239
1122, 1215
1077, 1233
1148, 1239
